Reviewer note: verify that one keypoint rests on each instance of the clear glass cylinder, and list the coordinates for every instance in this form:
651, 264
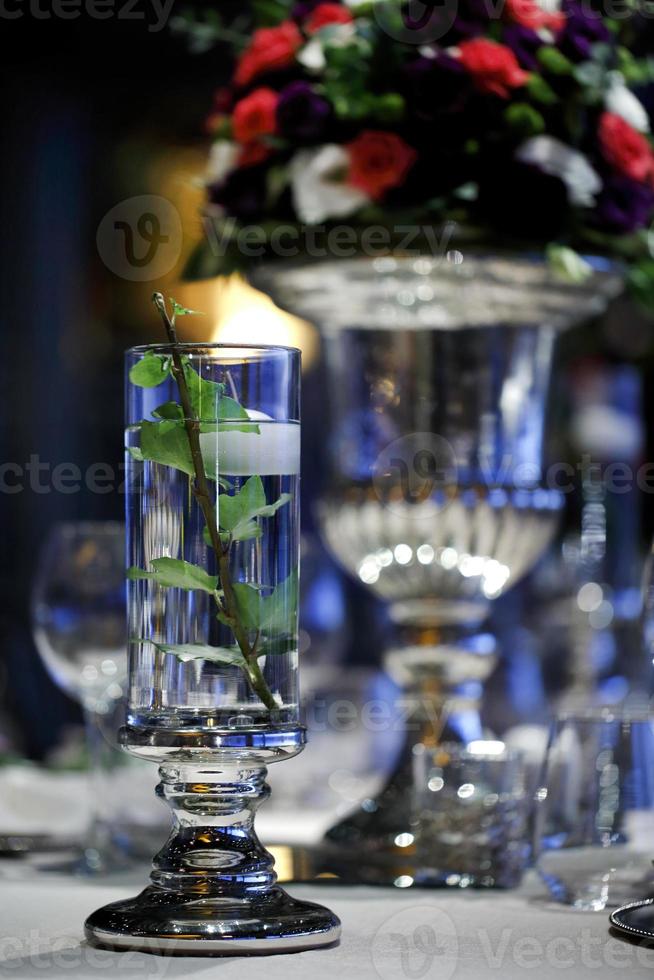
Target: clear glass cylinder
212, 610
213, 463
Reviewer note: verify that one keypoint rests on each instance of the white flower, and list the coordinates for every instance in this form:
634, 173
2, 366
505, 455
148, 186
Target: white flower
549, 6
620, 100
319, 191
222, 158
312, 55
570, 166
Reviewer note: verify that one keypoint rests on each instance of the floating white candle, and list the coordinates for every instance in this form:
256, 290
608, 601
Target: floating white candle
271, 448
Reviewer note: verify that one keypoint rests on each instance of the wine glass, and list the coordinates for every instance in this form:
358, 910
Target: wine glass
78, 615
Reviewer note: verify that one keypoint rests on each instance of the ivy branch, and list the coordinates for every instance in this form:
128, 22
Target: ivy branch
227, 603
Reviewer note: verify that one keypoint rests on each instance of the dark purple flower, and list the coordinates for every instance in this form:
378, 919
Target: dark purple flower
301, 10
242, 194
302, 114
524, 43
584, 28
434, 86
624, 206
472, 17
522, 201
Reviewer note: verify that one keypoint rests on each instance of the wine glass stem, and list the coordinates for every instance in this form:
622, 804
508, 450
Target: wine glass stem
99, 765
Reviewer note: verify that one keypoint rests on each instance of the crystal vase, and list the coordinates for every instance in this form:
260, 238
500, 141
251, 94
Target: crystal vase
213, 453
438, 502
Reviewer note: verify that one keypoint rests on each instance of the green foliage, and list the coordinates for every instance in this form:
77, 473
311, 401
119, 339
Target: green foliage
553, 61
204, 30
567, 264
641, 281
270, 614
524, 119
636, 71
279, 609
173, 573
205, 395
541, 91
169, 410
166, 443
389, 108
179, 310
271, 12
242, 508
230, 656
151, 370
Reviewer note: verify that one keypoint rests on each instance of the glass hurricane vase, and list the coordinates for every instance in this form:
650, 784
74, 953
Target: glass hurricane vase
213, 453
438, 374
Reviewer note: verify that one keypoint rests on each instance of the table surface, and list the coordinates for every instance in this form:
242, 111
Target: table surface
387, 935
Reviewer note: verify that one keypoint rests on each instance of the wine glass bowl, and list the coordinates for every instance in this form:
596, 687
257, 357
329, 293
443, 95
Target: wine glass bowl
78, 610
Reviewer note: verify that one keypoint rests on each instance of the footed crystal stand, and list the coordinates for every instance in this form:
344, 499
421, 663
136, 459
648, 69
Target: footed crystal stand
213, 885
438, 499
213, 463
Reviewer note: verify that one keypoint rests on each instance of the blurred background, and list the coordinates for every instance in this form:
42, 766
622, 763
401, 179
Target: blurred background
97, 112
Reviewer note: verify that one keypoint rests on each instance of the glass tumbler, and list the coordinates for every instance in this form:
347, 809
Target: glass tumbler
470, 816
595, 810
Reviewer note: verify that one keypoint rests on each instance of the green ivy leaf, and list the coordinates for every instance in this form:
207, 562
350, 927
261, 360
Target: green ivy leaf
244, 532
199, 651
179, 310
243, 505
169, 410
273, 613
239, 510
247, 602
174, 573
205, 395
150, 371
230, 410
279, 609
167, 443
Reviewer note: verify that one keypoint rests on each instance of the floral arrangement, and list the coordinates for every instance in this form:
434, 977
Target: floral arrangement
521, 120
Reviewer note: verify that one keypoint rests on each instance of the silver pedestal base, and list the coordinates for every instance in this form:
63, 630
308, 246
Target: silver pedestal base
159, 921
635, 919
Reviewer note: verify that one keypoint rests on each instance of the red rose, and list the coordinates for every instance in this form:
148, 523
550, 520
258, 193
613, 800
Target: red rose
527, 13
269, 49
378, 161
253, 153
624, 148
325, 14
494, 67
255, 115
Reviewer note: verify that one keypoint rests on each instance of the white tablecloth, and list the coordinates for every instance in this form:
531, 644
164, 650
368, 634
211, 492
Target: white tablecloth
387, 935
